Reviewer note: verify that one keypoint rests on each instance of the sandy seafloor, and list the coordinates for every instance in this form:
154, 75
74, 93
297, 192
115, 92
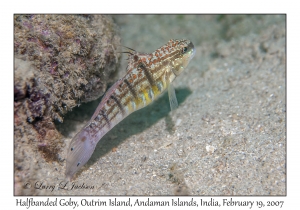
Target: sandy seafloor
228, 135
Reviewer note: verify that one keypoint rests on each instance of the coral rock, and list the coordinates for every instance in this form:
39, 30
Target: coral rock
60, 61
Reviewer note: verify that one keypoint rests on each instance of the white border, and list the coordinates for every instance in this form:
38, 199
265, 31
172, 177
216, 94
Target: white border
55, 6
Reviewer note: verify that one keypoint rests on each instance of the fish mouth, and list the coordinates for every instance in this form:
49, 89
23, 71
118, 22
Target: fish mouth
192, 51
193, 54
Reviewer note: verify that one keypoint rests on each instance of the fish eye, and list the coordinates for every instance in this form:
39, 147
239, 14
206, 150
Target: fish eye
184, 50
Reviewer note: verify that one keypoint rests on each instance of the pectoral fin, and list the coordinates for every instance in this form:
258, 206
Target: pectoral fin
172, 97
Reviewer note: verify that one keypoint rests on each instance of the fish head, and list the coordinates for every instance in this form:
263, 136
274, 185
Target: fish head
185, 52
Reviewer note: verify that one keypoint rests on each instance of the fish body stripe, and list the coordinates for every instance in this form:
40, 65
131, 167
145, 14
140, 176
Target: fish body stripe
118, 103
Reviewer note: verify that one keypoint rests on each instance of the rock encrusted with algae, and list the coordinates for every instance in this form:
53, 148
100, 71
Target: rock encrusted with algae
60, 62
72, 57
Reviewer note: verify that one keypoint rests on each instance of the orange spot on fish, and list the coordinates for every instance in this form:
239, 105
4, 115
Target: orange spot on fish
83, 139
120, 89
108, 102
134, 76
